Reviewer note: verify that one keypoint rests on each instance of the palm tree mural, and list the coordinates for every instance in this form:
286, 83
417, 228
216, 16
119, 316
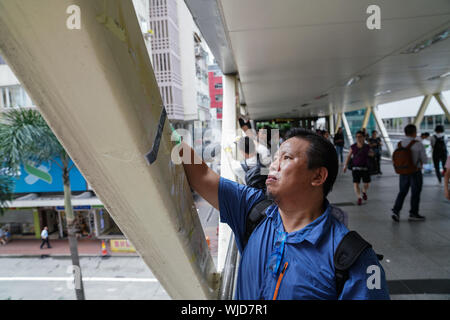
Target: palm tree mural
25, 138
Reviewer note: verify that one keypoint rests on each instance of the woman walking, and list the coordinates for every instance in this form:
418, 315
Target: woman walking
359, 156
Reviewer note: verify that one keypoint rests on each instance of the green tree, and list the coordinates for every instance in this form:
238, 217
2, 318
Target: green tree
6, 189
25, 138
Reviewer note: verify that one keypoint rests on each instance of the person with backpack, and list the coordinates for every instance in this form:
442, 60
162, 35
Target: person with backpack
408, 160
250, 170
358, 162
439, 146
299, 250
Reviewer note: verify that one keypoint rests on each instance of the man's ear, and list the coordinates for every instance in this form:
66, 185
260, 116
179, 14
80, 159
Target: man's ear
319, 177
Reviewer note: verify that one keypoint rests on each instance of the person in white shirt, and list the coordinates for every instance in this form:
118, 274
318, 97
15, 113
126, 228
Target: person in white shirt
414, 180
44, 237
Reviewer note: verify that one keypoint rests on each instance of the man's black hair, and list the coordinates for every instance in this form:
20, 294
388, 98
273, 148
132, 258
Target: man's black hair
439, 129
246, 145
359, 132
374, 131
410, 129
321, 153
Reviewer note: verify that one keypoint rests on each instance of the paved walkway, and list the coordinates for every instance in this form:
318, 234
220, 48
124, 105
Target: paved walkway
416, 254
86, 247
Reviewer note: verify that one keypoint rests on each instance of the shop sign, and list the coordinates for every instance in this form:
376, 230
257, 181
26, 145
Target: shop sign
121, 245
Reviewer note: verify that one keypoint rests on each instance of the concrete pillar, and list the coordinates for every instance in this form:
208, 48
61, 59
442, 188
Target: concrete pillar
228, 136
347, 128
384, 133
443, 103
331, 124
423, 107
338, 122
366, 117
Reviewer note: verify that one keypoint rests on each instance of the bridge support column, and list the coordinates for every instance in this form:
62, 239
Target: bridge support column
366, 117
338, 122
347, 128
423, 107
443, 103
384, 133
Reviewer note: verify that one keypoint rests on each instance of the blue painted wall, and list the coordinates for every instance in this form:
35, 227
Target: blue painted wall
27, 182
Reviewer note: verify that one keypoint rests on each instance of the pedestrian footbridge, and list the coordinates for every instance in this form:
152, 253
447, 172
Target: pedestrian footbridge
298, 59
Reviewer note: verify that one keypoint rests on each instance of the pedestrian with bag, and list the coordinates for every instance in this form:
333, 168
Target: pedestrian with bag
358, 162
408, 160
439, 146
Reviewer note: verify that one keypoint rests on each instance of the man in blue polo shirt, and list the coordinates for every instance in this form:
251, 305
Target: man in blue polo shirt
290, 253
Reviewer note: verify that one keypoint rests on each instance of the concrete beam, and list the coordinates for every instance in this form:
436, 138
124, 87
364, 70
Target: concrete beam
96, 88
331, 124
347, 128
444, 105
366, 117
423, 107
384, 133
338, 122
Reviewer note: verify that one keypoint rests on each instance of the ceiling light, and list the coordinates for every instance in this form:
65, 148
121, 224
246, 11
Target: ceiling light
444, 75
353, 80
426, 43
382, 93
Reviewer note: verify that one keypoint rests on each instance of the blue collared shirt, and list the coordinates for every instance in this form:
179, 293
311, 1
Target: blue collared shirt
309, 253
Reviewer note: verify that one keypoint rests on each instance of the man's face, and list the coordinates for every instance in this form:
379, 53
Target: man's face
374, 135
289, 173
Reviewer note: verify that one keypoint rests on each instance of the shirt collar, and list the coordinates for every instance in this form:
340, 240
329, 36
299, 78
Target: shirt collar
312, 233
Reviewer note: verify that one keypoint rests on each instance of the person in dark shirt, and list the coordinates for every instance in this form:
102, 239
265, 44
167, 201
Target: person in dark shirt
339, 143
375, 145
359, 154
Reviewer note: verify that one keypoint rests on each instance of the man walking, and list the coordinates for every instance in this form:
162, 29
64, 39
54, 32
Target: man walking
439, 150
413, 180
339, 143
44, 237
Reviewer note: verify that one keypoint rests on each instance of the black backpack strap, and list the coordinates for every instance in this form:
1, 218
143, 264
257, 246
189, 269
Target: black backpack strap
347, 252
256, 215
244, 166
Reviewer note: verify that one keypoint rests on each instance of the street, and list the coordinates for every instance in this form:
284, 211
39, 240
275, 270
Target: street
114, 278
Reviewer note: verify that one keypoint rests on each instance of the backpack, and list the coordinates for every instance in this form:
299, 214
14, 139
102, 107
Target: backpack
439, 149
402, 159
347, 252
253, 176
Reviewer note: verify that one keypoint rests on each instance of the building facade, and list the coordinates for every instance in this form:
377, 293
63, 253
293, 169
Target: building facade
215, 91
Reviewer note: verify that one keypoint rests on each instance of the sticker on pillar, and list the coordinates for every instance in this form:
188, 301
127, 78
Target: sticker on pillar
153, 153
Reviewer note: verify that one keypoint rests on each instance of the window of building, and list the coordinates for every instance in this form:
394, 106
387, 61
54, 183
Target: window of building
219, 98
218, 86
